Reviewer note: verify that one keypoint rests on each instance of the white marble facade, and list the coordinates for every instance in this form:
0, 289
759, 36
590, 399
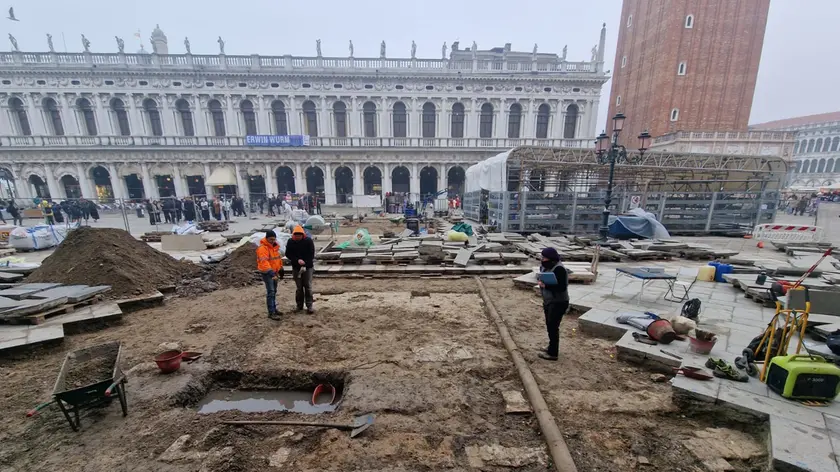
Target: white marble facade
159, 124
816, 156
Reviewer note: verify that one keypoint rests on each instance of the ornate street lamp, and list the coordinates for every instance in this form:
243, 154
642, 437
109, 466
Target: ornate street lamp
610, 152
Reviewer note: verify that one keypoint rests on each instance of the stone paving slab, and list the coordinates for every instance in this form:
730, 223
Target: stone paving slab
31, 306
21, 335
92, 312
10, 277
21, 291
74, 293
794, 444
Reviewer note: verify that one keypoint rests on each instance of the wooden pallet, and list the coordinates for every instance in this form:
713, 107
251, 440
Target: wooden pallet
42, 317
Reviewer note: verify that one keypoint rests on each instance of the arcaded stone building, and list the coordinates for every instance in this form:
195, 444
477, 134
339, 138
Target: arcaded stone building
164, 123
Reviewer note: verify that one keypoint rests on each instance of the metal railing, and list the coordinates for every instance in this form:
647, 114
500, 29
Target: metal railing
327, 142
579, 212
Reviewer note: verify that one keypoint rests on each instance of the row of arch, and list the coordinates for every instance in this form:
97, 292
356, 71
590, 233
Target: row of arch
817, 166
279, 120
816, 145
314, 178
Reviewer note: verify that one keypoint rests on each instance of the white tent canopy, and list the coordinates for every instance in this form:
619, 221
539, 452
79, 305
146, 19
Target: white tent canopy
221, 176
489, 174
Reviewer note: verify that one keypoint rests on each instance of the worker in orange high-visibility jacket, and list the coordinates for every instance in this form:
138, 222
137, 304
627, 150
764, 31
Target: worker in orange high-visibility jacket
270, 265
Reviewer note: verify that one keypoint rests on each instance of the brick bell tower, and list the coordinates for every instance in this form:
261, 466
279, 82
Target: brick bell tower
686, 65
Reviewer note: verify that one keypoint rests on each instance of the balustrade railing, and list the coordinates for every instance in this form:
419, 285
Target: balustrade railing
191, 61
317, 142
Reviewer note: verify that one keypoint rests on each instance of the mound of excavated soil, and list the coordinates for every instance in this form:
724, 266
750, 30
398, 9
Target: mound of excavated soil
107, 256
237, 269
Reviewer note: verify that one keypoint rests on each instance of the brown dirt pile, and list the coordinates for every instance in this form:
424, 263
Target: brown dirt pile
238, 268
107, 256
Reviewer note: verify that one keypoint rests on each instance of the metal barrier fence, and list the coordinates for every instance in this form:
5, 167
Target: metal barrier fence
574, 212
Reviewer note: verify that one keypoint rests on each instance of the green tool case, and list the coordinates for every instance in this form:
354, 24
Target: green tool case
803, 377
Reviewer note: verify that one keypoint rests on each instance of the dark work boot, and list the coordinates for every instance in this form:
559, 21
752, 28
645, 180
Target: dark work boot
547, 356
310, 310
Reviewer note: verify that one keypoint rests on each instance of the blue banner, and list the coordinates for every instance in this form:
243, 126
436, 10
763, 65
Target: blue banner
276, 140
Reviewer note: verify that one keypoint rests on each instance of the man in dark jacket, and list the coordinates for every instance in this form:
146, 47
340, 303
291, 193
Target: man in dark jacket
555, 300
300, 250
13, 210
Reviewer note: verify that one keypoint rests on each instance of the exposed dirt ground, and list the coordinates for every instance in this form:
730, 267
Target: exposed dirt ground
419, 353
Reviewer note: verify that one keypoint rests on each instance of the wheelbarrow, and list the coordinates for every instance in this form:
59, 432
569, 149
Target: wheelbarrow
72, 399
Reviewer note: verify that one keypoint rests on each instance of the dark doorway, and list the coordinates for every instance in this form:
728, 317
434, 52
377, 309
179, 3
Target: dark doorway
400, 180
134, 186
343, 185
456, 178
166, 187
373, 181
286, 180
195, 185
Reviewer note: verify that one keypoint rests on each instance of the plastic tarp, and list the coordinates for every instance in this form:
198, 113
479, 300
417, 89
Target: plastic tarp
361, 238
38, 237
489, 174
367, 201
640, 223
282, 238
465, 228
17, 262
186, 229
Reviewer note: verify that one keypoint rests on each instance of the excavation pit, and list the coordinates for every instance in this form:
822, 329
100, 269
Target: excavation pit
260, 392
260, 401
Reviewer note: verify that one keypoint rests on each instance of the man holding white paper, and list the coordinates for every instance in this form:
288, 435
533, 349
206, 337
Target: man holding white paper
554, 288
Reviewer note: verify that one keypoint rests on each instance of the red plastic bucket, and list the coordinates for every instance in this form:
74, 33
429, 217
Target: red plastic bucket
662, 331
169, 361
701, 347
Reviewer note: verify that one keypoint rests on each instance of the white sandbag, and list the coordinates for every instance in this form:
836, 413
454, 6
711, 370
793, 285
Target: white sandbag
186, 229
37, 237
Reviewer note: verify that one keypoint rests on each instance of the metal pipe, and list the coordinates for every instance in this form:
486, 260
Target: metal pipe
560, 455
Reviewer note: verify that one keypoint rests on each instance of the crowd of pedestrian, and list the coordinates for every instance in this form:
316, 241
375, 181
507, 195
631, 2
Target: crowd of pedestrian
193, 208
273, 205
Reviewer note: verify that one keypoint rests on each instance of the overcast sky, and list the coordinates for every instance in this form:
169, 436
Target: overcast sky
796, 76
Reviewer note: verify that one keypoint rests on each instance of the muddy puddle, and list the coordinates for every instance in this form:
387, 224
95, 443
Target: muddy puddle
259, 401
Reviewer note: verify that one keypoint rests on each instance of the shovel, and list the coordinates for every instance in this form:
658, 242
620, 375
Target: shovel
360, 423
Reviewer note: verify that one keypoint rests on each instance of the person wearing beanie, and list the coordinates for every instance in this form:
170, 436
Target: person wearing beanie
300, 250
555, 300
270, 265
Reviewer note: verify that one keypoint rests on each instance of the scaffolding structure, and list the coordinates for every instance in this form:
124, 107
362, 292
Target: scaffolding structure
562, 190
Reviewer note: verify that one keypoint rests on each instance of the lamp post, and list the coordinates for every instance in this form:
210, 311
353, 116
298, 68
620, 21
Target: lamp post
609, 151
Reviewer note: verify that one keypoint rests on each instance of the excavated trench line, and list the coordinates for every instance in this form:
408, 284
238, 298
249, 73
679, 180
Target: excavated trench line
563, 461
